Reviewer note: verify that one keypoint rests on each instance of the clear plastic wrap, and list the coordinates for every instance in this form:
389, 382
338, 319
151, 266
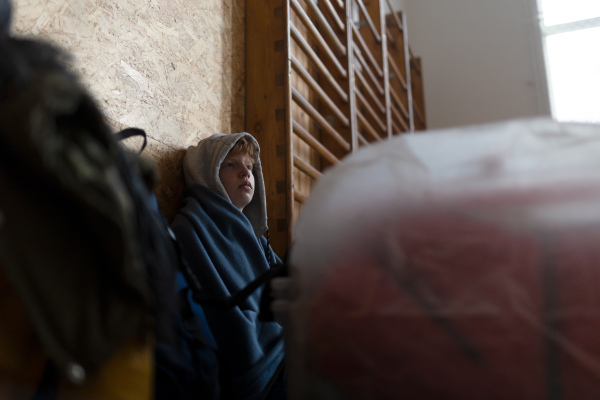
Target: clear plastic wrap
458, 264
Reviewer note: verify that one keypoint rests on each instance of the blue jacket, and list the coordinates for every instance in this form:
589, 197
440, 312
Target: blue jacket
222, 249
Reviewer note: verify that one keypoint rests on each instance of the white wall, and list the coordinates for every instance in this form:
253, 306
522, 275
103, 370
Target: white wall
397, 4
482, 59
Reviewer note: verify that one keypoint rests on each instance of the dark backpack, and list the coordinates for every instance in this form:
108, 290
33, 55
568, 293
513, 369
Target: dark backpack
78, 239
187, 368
186, 357
76, 214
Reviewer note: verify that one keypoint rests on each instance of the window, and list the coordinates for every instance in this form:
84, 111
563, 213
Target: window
571, 31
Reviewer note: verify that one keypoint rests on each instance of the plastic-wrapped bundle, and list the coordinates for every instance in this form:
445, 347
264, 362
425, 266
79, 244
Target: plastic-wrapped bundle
459, 264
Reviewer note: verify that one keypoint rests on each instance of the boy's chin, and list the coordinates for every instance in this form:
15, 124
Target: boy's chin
242, 203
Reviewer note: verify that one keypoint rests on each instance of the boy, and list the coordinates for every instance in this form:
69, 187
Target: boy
220, 228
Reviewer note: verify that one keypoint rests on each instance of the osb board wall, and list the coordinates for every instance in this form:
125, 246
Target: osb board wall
174, 68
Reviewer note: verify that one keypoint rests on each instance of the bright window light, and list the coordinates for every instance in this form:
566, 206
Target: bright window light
556, 12
572, 33
574, 74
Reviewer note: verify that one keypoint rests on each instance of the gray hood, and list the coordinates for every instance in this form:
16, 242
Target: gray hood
201, 167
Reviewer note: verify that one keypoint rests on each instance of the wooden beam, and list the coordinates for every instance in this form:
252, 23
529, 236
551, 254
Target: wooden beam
268, 104
316, 60
400, 104
396, 128
418, 112
396, 18
311, 53
362, 139
380, 12
397, 72
365, 13
314, 143
306, 167
370, 109
363, 121
316, 11
319, 119
407, 56
333, 13
317, 36
364, 65
299, 196
351, 80
399, 118
365, 50
370, 91
389, 35
320, 92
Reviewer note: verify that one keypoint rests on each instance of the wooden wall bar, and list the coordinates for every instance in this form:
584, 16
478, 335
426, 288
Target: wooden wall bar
324, 78
418, 98
268, 106
401, 92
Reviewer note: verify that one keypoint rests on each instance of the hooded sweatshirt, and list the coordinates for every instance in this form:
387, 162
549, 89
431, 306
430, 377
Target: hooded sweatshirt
226, 251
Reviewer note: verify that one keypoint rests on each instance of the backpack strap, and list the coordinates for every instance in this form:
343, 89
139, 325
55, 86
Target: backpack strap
131, 132
276, 270
269, 250
239, 297
184, 267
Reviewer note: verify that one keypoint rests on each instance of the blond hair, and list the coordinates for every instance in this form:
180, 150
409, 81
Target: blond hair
246, 147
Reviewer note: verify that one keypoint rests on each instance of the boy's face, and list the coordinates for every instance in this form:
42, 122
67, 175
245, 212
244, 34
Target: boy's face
237, 178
